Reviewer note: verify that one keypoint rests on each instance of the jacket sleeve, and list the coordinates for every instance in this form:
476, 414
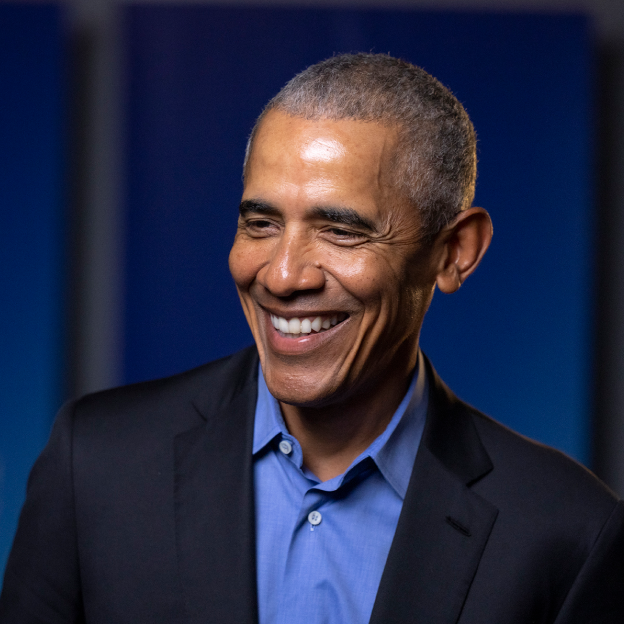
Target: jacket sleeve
42, 581
597, 595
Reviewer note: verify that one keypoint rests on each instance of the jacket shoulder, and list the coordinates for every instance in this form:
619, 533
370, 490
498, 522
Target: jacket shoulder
538, 479
171, 402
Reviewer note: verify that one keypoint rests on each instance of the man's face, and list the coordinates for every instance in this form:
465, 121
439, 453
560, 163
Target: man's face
329, 253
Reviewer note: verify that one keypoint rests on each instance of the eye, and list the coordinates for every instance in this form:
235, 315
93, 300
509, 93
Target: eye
259, 227
343, 236
341, 232
259, 223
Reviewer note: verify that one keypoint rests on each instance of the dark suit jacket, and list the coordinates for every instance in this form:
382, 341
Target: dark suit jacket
140, 509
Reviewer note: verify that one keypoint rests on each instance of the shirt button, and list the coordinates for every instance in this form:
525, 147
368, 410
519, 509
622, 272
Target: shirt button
286, 447
314, 518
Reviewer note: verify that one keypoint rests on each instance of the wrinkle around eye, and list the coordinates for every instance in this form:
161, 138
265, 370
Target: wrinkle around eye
347, 239
259, 228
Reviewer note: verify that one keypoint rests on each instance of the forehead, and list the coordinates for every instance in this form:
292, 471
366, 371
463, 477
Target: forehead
343, 152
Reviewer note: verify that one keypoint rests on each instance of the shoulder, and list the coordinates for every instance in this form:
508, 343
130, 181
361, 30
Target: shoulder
558, 525
507, 468
119, 445
538, 482
171, 404
532, 485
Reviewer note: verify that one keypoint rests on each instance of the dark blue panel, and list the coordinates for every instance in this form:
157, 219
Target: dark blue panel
31, 250
515, 339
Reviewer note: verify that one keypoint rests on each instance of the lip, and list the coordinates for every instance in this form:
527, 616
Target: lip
306, 342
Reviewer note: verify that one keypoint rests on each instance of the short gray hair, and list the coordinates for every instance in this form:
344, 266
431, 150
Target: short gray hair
435, 165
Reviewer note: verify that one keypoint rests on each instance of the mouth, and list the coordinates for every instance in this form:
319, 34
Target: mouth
296, 326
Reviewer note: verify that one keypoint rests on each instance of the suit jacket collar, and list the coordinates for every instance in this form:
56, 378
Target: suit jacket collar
444, 526
440, 537
450, 433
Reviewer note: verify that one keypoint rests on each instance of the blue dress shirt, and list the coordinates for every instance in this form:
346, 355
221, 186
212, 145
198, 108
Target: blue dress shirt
321, 547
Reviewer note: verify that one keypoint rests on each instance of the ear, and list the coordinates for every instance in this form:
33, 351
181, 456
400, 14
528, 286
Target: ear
461, 245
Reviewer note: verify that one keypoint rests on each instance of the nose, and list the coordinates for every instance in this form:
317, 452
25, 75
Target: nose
292, 267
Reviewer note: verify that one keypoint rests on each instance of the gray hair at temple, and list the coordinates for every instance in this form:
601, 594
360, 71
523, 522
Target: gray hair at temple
435, 165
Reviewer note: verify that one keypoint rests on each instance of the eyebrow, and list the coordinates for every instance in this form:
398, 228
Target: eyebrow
335, 214
251, 206
344, 216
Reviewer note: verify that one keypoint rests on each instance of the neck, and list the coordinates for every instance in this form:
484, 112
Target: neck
331, 437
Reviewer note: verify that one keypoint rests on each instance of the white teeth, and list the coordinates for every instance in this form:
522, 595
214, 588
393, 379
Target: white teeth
296, 326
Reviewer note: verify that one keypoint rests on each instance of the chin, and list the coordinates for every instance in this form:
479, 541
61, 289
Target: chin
301, 390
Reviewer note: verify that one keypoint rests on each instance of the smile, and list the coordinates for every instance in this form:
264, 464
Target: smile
294, 327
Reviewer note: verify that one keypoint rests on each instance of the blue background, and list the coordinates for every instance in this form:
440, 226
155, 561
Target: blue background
32, 244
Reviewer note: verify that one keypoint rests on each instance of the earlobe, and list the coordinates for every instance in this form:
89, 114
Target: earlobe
448, 280
463, 244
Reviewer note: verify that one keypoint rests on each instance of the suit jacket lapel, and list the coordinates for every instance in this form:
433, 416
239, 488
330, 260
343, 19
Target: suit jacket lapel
214, 500
444, 526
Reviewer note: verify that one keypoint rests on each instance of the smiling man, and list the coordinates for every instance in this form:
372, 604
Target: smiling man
325, 475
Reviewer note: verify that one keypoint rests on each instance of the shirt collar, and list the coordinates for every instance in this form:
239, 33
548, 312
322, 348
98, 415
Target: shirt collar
268, 421
394, 451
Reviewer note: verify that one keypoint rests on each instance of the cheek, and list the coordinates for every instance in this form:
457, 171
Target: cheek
370, 279
356, 272
392, 303
244, 264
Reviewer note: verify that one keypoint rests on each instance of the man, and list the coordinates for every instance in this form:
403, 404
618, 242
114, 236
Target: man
340, 481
